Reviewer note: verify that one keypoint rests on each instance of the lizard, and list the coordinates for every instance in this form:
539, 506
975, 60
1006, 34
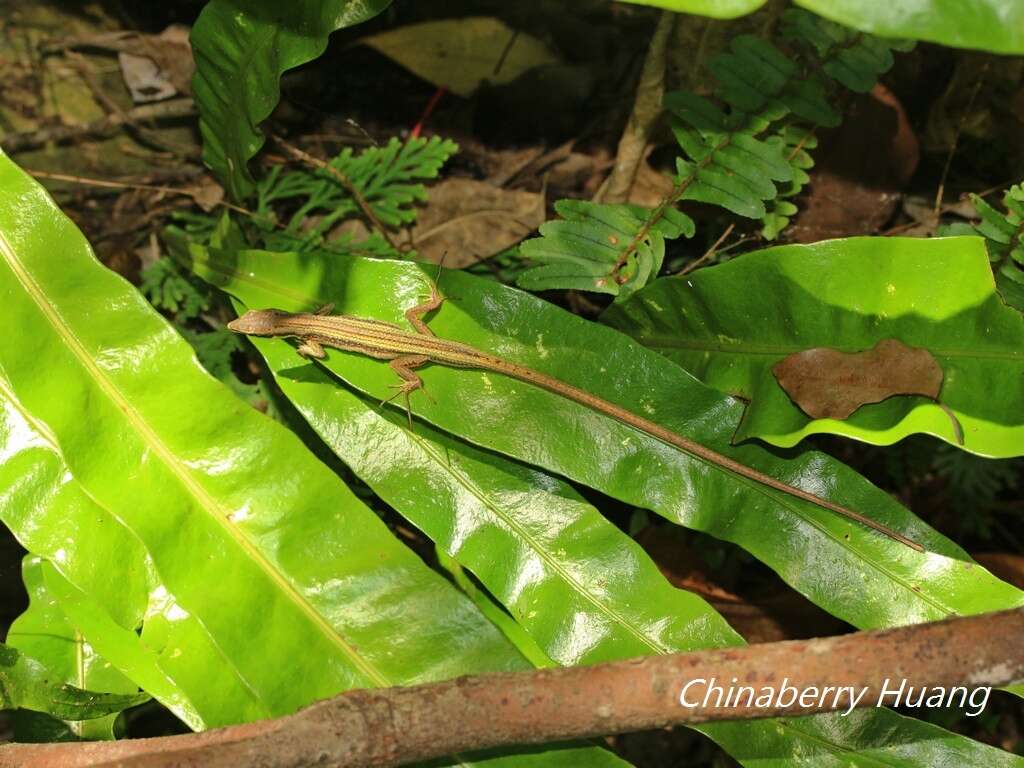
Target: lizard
407, 350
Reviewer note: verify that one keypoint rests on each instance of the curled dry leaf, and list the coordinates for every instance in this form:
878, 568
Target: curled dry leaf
829, 384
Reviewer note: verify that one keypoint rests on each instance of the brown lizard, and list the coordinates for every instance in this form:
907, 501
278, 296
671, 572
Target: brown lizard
407, 350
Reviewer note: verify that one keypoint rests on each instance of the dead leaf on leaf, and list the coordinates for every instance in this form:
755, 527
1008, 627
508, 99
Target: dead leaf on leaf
829, 384
459, 54
471, 220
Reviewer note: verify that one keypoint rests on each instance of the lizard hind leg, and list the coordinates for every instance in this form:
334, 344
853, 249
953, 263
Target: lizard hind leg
403, 366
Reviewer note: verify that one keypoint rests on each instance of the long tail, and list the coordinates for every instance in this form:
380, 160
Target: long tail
559, 387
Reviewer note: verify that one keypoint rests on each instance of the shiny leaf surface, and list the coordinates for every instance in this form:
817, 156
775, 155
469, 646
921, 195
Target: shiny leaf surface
252, 536
989, 25
104, 583
26, 683
241, 48
848, 570
583, 590
729, 324
717, 9
44, 633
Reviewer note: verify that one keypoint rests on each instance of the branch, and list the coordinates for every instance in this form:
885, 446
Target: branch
647, 108
105, 126
347, 185
395, 726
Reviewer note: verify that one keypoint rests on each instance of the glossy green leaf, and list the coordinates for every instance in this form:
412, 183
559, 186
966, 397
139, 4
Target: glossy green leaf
852, 572
249, 534
582, 589
105, 584
241, 48
729, 324
716, 9
28, 684
43, 633
989, 25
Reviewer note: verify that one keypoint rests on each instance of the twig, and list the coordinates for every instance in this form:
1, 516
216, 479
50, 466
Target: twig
142, 134
647, 109
105, 126
396, 726
86, 181
707, 254
956, 140
345, 182
505, 52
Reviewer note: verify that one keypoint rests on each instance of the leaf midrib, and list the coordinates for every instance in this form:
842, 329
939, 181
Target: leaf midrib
201, 496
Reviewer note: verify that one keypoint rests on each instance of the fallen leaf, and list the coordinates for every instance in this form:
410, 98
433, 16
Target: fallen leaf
207, 193
155, 67
467, 221
145, 81
861, 170
459, 54
829, 384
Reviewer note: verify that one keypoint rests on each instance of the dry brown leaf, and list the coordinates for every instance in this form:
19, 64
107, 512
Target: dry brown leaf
460, 54
471, 220
861, 170
829, 384
156, 67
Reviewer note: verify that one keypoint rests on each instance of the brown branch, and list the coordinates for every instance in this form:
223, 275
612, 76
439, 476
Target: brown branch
345, 182
106, 126
647, 109
395, 726
708, 253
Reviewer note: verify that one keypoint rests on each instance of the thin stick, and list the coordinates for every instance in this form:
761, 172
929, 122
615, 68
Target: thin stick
345, 182
707, 254
956, 140
86, 181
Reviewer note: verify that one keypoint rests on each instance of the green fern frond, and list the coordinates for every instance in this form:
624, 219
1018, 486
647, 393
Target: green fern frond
1004, 233
796, 141
754, 74
612, 249
387, 178
727, 165
854, 59
169, 288
748, 154
976, 478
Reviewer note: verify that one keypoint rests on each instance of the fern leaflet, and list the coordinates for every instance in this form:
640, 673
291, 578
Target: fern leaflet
747, 157
602, 248
1004, 236
387, 178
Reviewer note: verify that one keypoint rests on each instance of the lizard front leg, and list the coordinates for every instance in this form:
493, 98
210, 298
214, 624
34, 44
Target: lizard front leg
310, 348
415, 314
403, 366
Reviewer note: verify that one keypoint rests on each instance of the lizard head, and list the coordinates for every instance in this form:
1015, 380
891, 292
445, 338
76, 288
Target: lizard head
259, 322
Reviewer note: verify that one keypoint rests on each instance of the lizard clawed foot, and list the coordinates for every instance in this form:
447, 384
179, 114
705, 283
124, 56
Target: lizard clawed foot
404, 389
